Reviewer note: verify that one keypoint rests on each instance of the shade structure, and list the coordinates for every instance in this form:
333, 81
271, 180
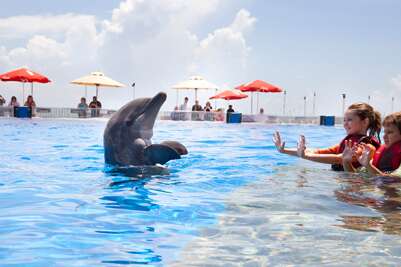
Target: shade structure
97, 79
195, 83
258, 86
229, 95
24, 75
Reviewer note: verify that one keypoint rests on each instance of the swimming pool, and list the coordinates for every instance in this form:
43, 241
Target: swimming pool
233, 200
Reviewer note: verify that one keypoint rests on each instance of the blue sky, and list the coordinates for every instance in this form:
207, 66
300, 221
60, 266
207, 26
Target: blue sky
327, 47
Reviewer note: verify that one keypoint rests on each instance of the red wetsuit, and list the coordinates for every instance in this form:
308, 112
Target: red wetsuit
388, 159
339, 148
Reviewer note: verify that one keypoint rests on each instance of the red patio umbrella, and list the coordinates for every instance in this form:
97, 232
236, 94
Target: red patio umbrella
25, 76
258, 86
229, 95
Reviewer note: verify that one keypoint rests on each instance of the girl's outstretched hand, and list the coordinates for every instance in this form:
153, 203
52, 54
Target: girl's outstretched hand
278, 143
348, 152
367, 154
301, 146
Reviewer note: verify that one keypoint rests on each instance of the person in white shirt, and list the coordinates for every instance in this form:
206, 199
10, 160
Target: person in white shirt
184, 106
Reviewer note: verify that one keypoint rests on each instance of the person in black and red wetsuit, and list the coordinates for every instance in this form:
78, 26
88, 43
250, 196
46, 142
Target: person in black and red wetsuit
362, 124
386, 159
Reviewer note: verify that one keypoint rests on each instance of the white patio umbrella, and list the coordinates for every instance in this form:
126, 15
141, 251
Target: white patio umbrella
97, 79
195, 83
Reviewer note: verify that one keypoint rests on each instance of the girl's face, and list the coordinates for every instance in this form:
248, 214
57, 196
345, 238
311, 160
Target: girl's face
353, 123
391, 134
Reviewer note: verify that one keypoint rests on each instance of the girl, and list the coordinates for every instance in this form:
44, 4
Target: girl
361, 123
30, 103
387, 159
13, 102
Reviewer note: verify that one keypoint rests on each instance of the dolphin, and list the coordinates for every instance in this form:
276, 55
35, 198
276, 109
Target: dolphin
128, 133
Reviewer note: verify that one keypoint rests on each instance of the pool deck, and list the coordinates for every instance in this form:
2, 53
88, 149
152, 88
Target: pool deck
63, 113
246, 118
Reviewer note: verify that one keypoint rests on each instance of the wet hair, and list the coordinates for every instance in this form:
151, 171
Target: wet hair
393, 119
363, 111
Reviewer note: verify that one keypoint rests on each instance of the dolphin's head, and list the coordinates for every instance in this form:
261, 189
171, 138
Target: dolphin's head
127, 137
140, 115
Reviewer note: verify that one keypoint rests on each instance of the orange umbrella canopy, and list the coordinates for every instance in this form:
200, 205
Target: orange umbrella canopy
23, 75
229, 95
259, 86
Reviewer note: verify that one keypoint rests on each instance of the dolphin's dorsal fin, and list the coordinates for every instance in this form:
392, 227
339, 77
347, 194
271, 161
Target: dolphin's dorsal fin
158, 153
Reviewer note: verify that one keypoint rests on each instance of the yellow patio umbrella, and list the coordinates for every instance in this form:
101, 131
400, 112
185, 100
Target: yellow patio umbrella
195, 83
97, 79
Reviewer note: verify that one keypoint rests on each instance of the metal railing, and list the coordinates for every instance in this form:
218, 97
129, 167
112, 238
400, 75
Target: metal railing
217, 116
45, 112
221, 116
6, 111
193, 115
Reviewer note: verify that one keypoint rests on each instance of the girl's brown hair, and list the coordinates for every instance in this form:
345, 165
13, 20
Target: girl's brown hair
363, 111
394, 118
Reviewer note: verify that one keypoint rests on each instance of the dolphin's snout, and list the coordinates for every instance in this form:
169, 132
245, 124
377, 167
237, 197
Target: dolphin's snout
162, 96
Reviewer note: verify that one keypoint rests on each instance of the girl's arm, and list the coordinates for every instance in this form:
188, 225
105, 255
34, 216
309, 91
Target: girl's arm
366, 159
301, 151
316, 157
280, 146
373, 170
324, 158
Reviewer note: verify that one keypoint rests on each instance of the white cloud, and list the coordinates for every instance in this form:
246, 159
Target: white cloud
151, 42
243, 21
23, 26
225, 51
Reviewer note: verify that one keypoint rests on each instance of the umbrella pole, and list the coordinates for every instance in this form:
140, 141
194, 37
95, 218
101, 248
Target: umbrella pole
97, 87
176, 98
86, 92
23, 92
196, 94
31, 88
285, 94
257, 102
251, 102
215, 105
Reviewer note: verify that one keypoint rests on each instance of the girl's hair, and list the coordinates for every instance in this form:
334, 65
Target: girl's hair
363, 111
394, 119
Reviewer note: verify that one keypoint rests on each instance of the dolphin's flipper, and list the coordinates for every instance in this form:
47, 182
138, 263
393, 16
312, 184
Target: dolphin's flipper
158, 153
177, 146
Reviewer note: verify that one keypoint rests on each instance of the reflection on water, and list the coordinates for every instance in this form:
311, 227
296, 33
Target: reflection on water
131, 195
304, 215
137, 171
381, 194
139, 199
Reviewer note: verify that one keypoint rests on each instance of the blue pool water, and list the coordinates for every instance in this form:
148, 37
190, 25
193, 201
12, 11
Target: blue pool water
232, 200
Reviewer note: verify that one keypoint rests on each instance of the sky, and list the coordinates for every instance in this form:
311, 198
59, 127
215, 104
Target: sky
308, 47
